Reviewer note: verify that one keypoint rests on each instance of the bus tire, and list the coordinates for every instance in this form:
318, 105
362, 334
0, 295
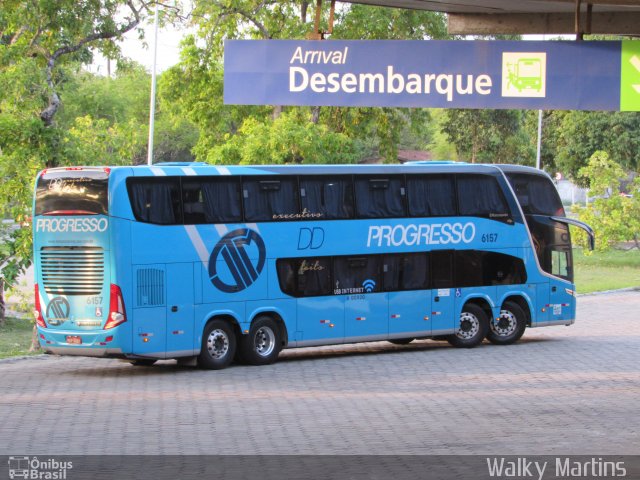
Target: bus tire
472, 327
262, 345
401, 341
218, 345
510, 325
142, 362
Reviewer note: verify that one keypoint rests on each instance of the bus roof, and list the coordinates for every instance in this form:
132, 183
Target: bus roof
199, 168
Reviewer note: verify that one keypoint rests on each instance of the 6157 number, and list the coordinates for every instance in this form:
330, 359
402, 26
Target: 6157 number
489, 238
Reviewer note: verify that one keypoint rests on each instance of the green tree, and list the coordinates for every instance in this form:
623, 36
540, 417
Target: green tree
614, 218
194, 87
41, 42
578, 135
492, 136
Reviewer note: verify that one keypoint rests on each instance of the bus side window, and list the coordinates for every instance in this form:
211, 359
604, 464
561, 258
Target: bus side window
313, 276
211, 200
431, 196
304, 277
156, 200
356, 275
286, 275
270, 199
469, 271
380, 197
326, 198
442, 269
501, 269
481, 196
406, 272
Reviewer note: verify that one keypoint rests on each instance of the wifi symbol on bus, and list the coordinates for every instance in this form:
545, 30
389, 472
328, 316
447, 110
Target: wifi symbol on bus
369, 285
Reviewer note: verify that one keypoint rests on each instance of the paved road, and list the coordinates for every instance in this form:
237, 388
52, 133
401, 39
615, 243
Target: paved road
560, 390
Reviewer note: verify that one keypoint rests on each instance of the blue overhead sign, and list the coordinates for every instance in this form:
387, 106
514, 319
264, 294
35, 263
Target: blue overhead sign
445, 74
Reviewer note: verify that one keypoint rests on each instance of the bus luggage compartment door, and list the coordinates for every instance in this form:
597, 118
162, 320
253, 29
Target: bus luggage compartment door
321, 318
409, 312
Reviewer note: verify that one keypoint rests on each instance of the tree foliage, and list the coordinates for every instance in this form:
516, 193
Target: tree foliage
194, 87
491, 136
41, 44
578, 135
615, 218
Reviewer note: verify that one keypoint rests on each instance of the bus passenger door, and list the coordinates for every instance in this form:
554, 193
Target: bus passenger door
443, 315
180, 298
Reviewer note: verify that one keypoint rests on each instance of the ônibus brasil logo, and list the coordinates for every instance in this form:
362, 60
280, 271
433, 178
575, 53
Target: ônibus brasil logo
234, 253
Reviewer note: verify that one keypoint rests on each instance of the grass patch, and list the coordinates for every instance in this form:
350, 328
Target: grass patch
606, 270
15, 337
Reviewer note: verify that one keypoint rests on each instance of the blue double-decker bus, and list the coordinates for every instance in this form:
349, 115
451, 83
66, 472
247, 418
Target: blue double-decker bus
210, 264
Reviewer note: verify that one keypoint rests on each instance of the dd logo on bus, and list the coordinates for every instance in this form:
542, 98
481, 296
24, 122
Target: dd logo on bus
234, 253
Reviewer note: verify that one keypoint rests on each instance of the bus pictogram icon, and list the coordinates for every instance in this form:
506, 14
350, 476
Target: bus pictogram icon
524, 74
18, 467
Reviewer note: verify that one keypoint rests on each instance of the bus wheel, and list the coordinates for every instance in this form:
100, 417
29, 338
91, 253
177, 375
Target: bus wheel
142, 362
509, 327
218, 345
262, 345
401, 341
472, 327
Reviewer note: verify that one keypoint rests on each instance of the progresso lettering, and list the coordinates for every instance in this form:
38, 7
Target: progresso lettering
416, 235
71, 225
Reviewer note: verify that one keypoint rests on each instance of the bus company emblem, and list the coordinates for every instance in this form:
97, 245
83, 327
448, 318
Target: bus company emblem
233, 249
58, 310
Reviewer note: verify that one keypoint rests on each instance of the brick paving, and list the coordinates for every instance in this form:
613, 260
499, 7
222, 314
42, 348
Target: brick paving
560, 390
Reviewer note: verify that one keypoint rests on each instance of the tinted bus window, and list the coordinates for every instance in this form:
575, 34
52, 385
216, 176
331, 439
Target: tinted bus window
481, 196
356, 275
270, 199
432, 195
72, 192
536, 194
305, 277
211, 200
442, 269
475, 268
406, 272
155, 200
326, 198
379, 197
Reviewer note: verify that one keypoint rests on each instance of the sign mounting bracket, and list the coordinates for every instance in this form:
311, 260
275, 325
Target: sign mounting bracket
317, 34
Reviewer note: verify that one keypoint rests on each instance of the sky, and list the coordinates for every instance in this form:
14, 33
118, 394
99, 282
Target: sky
132, 47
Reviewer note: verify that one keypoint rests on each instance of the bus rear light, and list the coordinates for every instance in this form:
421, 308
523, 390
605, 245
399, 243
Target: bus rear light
37, 312
117, 313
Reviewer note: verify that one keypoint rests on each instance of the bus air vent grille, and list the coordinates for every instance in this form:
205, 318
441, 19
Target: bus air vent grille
150, 291
72, 270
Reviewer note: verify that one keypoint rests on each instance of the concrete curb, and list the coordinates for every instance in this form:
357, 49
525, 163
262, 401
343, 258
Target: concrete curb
609, 292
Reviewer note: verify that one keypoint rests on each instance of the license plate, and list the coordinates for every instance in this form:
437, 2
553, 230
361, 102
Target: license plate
74, 339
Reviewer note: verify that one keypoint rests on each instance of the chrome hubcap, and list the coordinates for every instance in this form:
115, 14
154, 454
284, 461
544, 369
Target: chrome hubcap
264, 341
505, 325
218, 343
469, 326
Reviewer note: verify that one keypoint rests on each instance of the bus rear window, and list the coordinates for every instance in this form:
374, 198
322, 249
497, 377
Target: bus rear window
72, 192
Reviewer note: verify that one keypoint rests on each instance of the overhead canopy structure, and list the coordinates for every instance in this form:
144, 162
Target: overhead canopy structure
492, 17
